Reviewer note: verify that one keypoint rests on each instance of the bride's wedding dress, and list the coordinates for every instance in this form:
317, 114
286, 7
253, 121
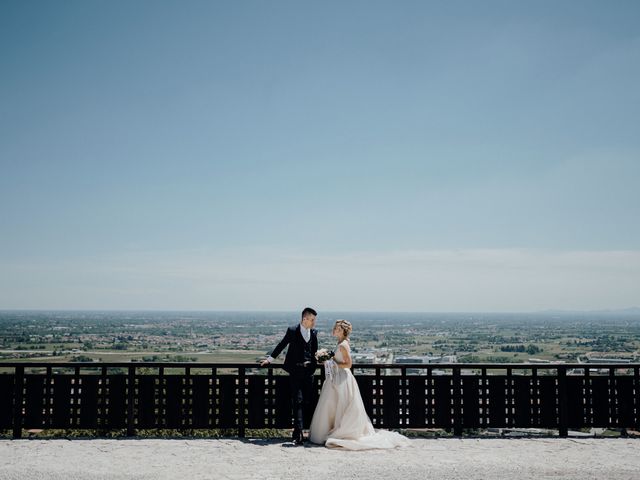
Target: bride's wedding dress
340, 419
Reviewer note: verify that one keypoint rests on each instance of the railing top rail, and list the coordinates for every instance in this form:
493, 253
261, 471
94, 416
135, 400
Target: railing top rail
365, 366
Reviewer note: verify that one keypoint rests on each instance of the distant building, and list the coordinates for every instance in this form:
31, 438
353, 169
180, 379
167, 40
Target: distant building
594, 358
361, 358
426, 359
409, 360
364, 358
446, 359
538, 360
608, 360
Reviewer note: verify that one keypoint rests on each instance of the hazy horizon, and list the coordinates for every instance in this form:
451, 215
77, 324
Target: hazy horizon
628, 310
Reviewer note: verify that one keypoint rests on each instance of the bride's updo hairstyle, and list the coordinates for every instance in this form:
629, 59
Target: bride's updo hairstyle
344, 326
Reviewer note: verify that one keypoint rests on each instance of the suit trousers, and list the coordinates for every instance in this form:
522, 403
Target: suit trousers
302, 396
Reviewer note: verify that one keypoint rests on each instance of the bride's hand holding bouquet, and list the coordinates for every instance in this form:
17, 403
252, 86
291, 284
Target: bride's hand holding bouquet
323, 355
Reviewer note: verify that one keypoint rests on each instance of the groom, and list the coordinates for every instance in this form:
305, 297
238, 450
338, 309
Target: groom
300, 364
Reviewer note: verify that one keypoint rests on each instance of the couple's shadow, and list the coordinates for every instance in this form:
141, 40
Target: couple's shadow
283, 442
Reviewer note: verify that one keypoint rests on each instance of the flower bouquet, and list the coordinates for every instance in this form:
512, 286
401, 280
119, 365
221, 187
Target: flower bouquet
323, 355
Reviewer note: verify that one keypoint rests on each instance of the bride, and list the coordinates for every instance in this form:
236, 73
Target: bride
340, 419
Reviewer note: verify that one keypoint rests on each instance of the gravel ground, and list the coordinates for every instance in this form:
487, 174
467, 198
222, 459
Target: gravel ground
442, 458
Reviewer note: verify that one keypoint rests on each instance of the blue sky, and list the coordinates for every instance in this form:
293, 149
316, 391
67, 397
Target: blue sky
149, 146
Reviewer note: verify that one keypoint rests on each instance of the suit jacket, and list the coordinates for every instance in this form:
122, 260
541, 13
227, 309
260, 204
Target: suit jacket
295, 353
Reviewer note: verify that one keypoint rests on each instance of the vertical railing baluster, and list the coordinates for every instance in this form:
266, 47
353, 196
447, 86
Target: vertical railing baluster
636, 374
432, 416
75, 420
403, 413
48, 403
562, 400
18, 412
535, 411
457, 404
484, 397
241, 401
379, 407
613, 411
588, 398
510, 399
214, 419
271, 421
185, 412
161, 419
103, 398
130, 401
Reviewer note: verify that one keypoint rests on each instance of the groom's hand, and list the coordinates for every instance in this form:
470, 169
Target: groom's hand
264, 363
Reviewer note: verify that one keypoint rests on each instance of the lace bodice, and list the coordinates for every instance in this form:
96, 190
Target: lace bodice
338, 354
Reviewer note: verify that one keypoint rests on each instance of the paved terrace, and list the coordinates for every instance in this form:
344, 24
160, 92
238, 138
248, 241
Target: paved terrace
438, 458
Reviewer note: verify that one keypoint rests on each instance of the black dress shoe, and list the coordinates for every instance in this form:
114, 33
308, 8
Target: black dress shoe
298, 438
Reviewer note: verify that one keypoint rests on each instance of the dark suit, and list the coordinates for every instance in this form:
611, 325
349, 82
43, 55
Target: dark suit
300, 363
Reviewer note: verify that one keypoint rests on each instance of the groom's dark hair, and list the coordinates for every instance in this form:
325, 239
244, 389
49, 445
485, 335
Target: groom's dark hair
309, 311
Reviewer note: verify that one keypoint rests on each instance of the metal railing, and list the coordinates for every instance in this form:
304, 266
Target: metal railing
241, 396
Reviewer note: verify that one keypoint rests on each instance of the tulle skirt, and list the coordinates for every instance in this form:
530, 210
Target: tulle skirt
341, 421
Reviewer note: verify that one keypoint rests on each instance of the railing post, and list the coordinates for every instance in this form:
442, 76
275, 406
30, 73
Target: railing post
160, 417
562, 402
215, 417
17, 405
636, 374
47, 396
103, 419
402, 398
457, 403
484, 397
270, 397
510, 399
130, 401
534, 413
186, 412
378, 399
613, 411
75, 411
241, 415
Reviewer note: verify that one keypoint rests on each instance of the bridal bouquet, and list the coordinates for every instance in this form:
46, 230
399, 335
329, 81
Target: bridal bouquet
323, 355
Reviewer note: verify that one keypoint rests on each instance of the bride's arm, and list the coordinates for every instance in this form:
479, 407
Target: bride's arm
346, 356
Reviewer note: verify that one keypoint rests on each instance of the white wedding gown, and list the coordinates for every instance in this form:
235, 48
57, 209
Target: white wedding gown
340, 419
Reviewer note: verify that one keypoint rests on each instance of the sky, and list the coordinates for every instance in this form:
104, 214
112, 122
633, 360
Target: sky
350, 155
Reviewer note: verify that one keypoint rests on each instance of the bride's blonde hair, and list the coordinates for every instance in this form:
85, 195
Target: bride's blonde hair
346, 327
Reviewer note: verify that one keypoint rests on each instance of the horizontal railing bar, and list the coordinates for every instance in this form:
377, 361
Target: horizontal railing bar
373, 366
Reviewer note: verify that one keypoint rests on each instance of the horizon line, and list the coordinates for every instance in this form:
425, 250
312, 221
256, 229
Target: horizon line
634, 309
